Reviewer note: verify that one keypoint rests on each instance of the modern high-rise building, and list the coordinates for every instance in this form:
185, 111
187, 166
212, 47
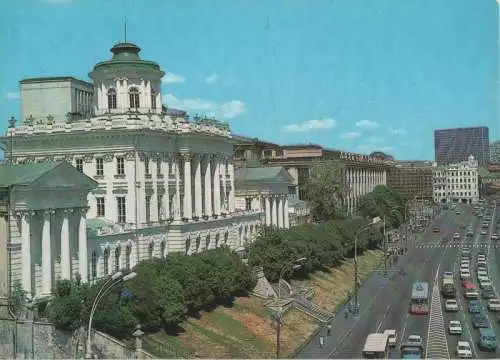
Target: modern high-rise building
456, 145
495, 152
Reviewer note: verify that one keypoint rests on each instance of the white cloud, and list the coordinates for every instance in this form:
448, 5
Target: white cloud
226, 110
388, 149
351, 135
367, 124
370, 147
311, 125
12, 95
170, 78
213, 78
396, 131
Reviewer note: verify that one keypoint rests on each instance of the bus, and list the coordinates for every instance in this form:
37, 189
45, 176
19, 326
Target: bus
376, 346
419, 304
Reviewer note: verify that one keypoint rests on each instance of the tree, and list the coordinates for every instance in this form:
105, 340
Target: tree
326, 190
383, 202
66, 308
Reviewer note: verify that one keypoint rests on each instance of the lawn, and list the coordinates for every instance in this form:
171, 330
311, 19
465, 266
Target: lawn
245, 329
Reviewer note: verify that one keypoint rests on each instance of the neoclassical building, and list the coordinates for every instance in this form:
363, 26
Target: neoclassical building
164, 182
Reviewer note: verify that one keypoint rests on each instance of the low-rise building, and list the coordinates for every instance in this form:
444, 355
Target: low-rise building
457, 182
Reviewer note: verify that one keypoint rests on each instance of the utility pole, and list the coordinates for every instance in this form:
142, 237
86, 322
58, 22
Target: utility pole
278, 322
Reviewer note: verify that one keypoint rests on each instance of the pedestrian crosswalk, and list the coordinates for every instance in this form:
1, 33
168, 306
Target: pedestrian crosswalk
451, 246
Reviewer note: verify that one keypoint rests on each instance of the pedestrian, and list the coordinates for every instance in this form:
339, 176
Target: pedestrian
329, 329
346, 312
321, 341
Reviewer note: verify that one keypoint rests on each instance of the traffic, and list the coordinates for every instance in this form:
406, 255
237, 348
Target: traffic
453, 310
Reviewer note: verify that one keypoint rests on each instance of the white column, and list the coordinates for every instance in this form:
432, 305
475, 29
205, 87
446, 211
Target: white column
232, 202
208, 187
165, 200
274, 220
46, 254
26, 251
217, 205
223, 173
65, 247
286, 214
82, 245
280, 212
198, 201
268, 211
177, 196
188, 201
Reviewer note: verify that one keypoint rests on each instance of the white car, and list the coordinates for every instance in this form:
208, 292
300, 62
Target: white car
455, 327
464, 274
494, 305
484, 232
463, 350
494, 237
481, 258
482, 273
451, 305
471, 294
481, 264
485, 284
465, 262
456, 236
414, 340
393, 337
464, 267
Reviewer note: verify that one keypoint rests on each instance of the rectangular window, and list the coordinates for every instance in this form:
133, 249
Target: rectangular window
99, 164
101, 211
158, 168
146, 166
148, 208
248, 204
79, 165
122, 214
120, 166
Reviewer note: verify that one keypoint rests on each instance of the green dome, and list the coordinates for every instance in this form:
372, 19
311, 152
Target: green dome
126, 56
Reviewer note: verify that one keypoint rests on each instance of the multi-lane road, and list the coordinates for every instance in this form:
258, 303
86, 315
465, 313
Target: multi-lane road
384, 302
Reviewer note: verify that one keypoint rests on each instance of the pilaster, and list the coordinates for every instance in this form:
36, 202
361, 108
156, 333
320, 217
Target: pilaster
208, 186
216, 182
198, 197
188, 202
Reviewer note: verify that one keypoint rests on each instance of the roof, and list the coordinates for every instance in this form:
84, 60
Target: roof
52, 79
294, 202
376, 342
420, 288
264, 174
27, 174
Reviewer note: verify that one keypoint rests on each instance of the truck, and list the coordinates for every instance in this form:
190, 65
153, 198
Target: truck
376, 346
448, 288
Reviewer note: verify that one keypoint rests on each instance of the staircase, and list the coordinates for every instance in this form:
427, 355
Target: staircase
313, 310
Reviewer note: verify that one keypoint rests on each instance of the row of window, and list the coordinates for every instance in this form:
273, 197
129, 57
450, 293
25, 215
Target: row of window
120, 166
134, 99
457, 193
121, 207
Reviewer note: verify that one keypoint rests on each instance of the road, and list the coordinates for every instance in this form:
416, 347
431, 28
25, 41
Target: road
384, 302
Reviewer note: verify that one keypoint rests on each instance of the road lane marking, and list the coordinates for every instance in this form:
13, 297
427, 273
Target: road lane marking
381, 322
437, 342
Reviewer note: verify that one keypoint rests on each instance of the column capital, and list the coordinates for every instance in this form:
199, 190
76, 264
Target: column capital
129, 156
186, 156
81, 210
24, 213
48, 212
65, 211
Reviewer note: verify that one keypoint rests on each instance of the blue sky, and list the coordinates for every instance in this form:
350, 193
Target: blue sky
357, 75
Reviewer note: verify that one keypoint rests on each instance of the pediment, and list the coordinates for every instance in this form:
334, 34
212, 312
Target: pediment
64, 176
284, 176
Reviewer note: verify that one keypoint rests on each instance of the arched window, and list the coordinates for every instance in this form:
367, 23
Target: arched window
134, 98
117, 258
93, 265
153, 99
162, 249
106, 261
111, 99
128, 253
151, 250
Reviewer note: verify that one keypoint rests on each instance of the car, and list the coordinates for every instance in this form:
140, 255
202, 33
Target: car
456, 236
494, 305
464, 350
455, 327
392, 337
482, 268
488, 293
494, 237
480, 321
488, 217
482, 273
464, 274
470, 232
415, 340
481, 264
435, 229
474, 306
472, 294
485, 284
451, 305
465, 252
479, 215
481, 258
484, 232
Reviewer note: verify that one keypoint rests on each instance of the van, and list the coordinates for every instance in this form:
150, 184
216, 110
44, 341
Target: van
487, 339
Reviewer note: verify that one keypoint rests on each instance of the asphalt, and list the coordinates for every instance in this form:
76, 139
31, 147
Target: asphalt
384, 302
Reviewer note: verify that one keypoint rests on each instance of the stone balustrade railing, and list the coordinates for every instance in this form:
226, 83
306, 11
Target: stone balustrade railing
121, 121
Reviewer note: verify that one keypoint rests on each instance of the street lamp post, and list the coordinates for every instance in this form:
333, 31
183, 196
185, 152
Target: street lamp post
111, 282
356, 284
278, 317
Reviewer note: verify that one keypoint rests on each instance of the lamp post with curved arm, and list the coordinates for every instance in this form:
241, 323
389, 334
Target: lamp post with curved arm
111, 282
356, 284
278, 317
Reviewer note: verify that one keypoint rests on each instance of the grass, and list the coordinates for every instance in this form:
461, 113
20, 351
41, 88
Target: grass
245, 329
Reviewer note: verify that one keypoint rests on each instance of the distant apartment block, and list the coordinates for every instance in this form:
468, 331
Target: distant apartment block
456, 145
495, 152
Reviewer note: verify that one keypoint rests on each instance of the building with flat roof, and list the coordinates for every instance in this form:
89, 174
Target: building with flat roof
456, 145
411, 180
495, 152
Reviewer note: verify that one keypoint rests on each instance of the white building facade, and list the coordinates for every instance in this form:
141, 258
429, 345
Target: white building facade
457, 182
164, 183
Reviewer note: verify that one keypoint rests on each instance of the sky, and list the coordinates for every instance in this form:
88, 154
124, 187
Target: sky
355, 75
